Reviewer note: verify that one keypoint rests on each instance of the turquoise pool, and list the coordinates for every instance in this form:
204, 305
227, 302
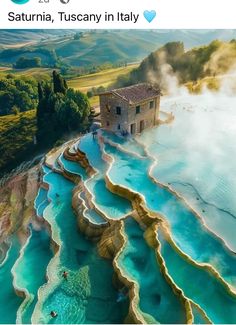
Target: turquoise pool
158, 302
85, 297
9, 301
113, 206
203, 288
194, 161
203, 127
187, 230
30, 271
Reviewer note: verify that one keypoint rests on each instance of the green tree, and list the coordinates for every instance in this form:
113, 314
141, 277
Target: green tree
24, 62
15, 91
59, 84
60, 110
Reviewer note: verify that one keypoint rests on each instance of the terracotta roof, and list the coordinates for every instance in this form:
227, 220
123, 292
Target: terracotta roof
136, 93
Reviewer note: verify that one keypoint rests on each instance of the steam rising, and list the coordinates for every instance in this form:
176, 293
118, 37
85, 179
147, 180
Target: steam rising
196, 153
223, 59
220, 70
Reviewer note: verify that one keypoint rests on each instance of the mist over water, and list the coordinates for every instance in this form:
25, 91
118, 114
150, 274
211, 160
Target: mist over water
196, 155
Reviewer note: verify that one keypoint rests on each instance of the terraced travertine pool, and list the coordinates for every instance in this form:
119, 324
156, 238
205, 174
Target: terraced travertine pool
213, 296
85, 297
113, 206
204, 246
147, 238
195, 155
30, 270
9, 301
157, 301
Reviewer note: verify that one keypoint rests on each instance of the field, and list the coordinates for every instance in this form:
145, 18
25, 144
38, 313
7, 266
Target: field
4, 69
37, 73
83, 83
92, 48
103, 78
95, 48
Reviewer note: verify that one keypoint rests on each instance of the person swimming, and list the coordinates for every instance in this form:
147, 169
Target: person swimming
65, 275
53, 314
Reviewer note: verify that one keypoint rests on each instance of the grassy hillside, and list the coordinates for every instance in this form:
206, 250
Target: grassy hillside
97, 47
104, 46
13, 38
12, 55
187, 66
93, 49
37, 73
103, 78
84, 83
16, 141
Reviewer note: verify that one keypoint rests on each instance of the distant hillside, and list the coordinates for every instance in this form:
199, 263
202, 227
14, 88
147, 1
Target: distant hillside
20, 37
95, 48
172, 60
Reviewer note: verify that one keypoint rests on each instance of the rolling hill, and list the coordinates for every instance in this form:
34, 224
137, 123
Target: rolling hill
95, 47
173, 61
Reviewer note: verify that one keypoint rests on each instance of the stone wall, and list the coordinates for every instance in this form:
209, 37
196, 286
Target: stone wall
150, 116
110, 101
110, 120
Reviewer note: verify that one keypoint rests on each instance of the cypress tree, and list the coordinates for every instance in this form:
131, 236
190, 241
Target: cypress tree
59, 84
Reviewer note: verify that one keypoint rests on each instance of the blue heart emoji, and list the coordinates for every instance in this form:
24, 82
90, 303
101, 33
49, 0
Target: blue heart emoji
149, 15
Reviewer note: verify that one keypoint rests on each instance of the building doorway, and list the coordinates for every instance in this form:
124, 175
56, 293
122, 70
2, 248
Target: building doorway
142, 125
133, 128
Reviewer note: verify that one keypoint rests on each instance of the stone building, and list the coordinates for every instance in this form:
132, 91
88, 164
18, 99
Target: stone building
131, 109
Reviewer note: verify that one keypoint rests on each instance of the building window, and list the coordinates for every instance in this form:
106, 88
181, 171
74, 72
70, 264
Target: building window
118, 110
151, 104
118, 127
108, 108
138, 109
133, 128
108, 123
